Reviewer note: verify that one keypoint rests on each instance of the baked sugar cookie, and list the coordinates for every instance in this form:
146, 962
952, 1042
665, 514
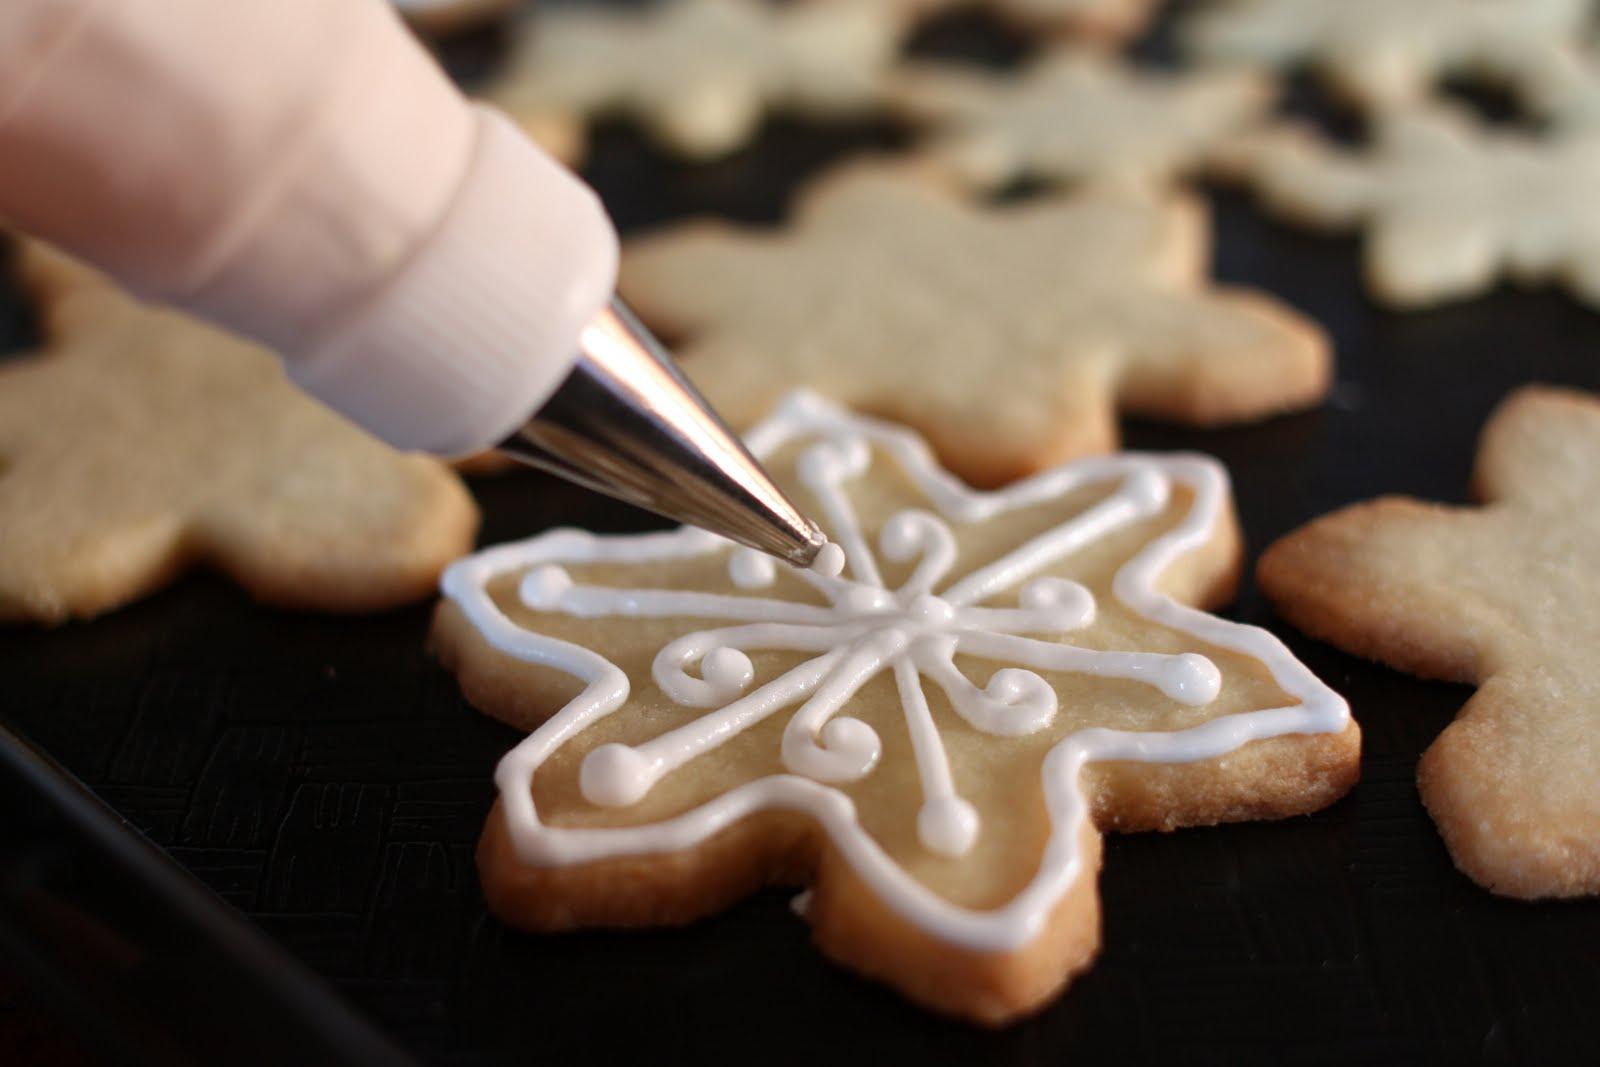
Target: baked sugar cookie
1500, 596
1009, 336
1449, 206
701, 74
1075, 114
1381, 53
931, 741
137, 443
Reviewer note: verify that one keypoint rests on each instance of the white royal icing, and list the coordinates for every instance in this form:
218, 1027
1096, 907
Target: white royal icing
865, 629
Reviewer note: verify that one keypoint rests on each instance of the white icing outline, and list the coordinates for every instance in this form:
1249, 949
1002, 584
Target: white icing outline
1018, 922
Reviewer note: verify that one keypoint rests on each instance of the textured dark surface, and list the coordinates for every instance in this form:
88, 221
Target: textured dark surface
325, 777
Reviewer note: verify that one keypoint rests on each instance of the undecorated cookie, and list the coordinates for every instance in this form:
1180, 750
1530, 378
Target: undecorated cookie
1449, 206
699, 75
1501, 596
1381, 53
137, 443
932, 741
1075, 114
1010, 336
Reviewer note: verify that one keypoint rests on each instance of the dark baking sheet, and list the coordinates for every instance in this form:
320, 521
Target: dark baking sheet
325, 778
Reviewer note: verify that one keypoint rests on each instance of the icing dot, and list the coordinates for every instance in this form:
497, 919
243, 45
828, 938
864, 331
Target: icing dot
830, 561
727, 668
948, 826
750, 569
1191, 679
854, 743
543, 587
1072, 604
614, 776
1147, 489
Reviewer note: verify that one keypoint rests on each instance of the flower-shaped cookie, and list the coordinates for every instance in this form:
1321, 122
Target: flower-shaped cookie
1449, 206
1500, 596
700, 74
1078, 114
1009, 336
1382, 53
138, 442
929, 740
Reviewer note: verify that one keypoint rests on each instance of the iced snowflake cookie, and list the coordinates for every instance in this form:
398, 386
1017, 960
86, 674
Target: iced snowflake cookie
1501, 596
1077, 114
137, 443
1381, 53
931, 741
1449, 205
700, 74
1009, 336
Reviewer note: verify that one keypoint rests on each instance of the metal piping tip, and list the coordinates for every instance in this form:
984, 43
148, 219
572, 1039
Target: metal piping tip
628, 424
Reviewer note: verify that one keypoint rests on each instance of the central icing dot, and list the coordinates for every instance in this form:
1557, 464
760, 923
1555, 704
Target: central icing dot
931, 610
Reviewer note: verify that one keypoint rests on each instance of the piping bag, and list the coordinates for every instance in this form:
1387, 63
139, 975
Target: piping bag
302, 173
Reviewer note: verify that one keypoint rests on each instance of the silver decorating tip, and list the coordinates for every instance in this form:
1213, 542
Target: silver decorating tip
628, 424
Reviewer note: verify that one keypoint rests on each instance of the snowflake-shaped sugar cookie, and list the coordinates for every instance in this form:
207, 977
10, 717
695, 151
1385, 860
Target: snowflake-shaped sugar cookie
1008, 335
1500, 596
1449, 206
138, 442
928, 740
700, 74
1382, 53
1078, 114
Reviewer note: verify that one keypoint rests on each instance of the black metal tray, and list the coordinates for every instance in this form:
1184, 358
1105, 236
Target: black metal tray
324, 777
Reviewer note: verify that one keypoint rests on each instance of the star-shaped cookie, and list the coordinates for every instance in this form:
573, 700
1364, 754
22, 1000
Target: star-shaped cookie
930, 740
699, 75
1009, 336
136, 443
1381, 53
1449, 206
1501, 596
1077, 114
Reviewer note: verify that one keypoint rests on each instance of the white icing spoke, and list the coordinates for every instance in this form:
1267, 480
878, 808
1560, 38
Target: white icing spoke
911, 534
1188, 678
551, 588
946, 823
1142, 493
1013, 703
725, 670
840, 750
616, 775
823, 469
